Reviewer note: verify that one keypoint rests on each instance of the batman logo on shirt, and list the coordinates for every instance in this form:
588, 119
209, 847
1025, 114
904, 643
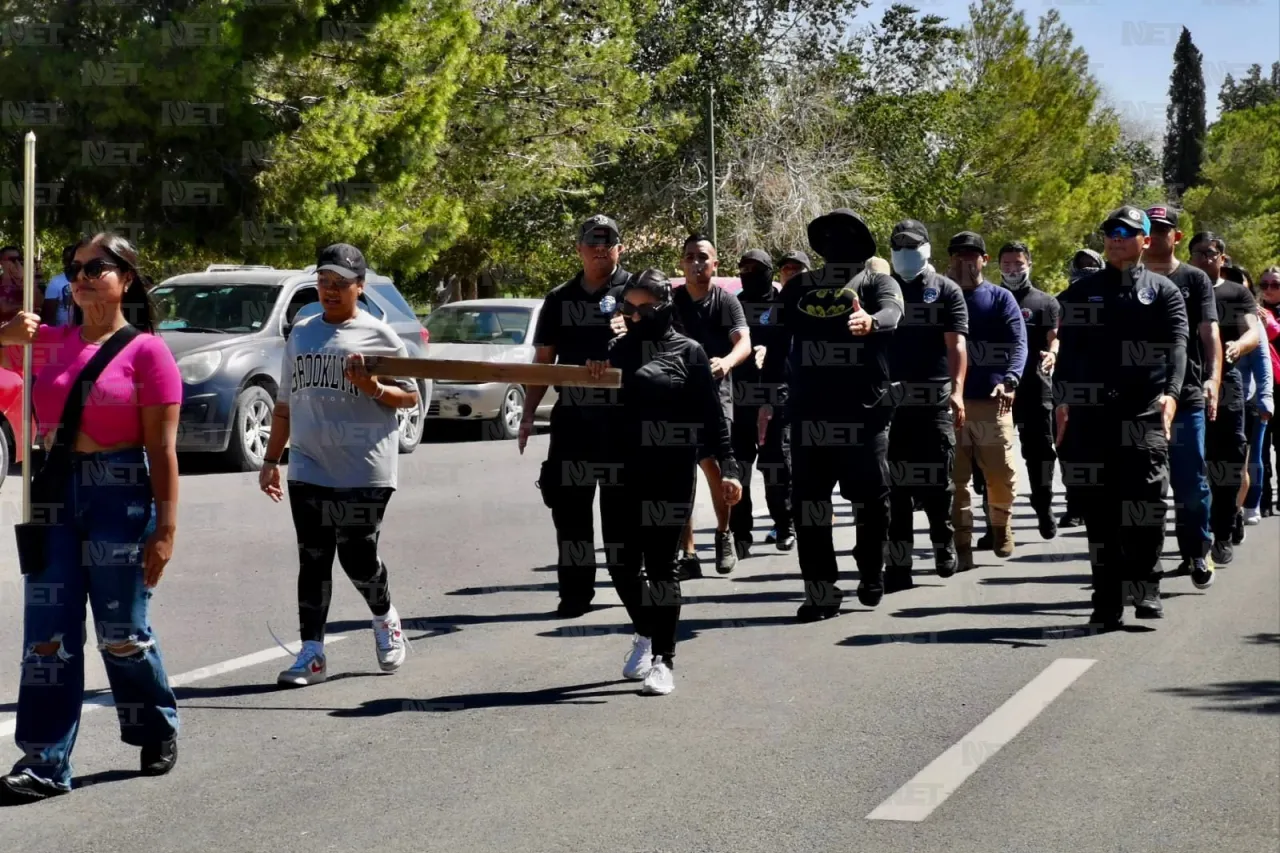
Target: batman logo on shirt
826, 302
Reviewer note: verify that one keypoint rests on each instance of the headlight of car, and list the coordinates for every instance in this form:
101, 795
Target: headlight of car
198, 367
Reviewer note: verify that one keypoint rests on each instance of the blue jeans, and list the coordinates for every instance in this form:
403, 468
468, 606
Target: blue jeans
1189, 476
1257, 431
94, 553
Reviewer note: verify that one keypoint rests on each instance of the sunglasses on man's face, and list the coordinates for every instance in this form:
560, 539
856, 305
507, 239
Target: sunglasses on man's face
1122, 232
1206, 254
92, 269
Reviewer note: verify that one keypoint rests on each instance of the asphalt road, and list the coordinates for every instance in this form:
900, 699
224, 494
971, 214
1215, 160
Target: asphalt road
976, 706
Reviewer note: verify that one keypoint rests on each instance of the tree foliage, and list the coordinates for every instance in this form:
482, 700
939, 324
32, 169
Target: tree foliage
1185, 117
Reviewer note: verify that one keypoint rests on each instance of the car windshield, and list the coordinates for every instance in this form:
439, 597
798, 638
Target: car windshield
475, 325
223, 307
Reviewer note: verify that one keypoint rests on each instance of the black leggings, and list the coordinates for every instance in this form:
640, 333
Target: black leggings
345, 521
646, 513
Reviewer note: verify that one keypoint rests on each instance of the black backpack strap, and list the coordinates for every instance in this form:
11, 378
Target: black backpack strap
65, 436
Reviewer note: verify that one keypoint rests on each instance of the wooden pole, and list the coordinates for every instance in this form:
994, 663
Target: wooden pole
488, 371
28, 305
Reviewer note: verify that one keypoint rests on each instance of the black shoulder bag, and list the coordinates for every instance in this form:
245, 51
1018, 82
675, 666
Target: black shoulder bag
48, 484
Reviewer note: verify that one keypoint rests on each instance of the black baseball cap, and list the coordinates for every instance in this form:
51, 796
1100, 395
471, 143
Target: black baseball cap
795, 258
589, 230
759, 256
344, 259
1163, 214
1128, 215
908, 234
1082, 255
967, 240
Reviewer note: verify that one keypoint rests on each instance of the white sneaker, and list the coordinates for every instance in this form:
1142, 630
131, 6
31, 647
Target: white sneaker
1252, 517
640, 660
389, 640
309, 668
660, 681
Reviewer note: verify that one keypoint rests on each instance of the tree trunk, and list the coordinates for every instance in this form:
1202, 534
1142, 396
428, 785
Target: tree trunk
468, 288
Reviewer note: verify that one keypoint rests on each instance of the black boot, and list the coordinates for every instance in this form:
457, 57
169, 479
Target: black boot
870, 587
822, 601
158, 759
1146, 601
944, 560
897, 579
1044, 514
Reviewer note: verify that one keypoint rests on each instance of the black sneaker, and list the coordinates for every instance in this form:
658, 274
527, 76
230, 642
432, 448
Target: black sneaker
1237, 530
786, 540
944, 560
1201, 571
1069, 521
1149, 606
726, 553
897, 579
1106, 620
870, 591
742, 547
20, 788
160, 758
572, 609
1048, 525
1223, 553
688, 567
1267, 511
813, 611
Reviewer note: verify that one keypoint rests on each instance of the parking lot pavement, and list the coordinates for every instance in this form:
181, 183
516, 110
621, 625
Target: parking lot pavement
972, 714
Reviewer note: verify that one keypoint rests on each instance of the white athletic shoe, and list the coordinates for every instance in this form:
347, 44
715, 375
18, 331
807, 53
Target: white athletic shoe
309, 668
389, 640
640, 660
660, 681
1252, 517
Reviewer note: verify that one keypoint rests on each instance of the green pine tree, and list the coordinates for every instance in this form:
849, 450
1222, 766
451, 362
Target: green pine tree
1185, 118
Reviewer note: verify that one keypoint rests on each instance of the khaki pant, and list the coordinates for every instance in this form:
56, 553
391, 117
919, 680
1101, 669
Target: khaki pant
986, 440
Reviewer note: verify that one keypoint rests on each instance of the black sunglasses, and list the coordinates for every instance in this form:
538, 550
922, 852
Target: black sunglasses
92, 269
629, 309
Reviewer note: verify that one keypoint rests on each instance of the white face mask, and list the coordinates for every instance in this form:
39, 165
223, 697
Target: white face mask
1016, 279
909, 263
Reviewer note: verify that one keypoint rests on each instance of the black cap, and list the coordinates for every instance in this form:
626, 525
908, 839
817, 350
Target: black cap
344, 259
1164, 214
795, 258
1128, 215
966, 240
759, 256
908, 234
1076, 259
588, 230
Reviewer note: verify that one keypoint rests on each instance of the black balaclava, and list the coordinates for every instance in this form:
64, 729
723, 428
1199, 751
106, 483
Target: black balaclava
757, 285
841, 237
655, 320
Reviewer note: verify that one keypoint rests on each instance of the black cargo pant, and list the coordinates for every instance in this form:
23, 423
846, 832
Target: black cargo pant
345, 522
851, 453
1034, 420
577, 461
922, 451
645, 509
1226, 448
774, 460
1121, 469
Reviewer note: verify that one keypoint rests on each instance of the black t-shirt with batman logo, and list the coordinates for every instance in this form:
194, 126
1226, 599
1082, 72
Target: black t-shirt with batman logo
829, 371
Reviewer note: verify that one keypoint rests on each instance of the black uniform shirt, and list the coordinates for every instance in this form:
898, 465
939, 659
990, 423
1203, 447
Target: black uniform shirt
747, 387
670, 407
711, 321
829, 371
1197, 292
932, 305
1041, 313
576, 323
1123, 343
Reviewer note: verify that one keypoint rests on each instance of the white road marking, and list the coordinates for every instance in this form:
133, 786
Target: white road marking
104, 700
930, 788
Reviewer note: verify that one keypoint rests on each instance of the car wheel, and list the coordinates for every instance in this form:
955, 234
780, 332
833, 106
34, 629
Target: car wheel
409, 422
250, 429
507, 424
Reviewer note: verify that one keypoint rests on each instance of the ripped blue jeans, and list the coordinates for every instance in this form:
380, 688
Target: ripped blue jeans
94, 554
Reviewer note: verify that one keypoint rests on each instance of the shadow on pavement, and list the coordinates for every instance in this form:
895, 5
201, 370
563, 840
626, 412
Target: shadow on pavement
689, 629
103, 776
1010, 608
515, 587
256, 688
576, 694
1048, 558
1013, 637
1248, 697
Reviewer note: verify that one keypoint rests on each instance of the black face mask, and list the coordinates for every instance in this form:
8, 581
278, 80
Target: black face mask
757, 282
652, 324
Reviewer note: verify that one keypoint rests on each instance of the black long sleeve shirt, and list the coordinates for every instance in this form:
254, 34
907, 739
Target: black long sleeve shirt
828, 370
669, 405
1123, 343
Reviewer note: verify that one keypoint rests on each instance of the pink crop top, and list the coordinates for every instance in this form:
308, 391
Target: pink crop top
144, 373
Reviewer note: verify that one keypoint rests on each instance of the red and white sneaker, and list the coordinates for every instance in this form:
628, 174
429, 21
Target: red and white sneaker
309, 668
389, 640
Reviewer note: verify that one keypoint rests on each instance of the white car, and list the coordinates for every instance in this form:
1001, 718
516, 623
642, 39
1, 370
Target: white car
499, 330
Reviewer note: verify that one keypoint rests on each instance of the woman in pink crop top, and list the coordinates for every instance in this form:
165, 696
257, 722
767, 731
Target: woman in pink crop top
111, 536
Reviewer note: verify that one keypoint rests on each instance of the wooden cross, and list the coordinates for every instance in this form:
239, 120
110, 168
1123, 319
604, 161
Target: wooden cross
489, 371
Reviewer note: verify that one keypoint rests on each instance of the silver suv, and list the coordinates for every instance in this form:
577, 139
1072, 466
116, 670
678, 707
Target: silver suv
227, 328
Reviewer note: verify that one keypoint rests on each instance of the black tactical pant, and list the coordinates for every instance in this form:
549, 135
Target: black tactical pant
922, 449
1121, 469
774, 459
1226, 448
577, 462
851, 453
1036, 435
